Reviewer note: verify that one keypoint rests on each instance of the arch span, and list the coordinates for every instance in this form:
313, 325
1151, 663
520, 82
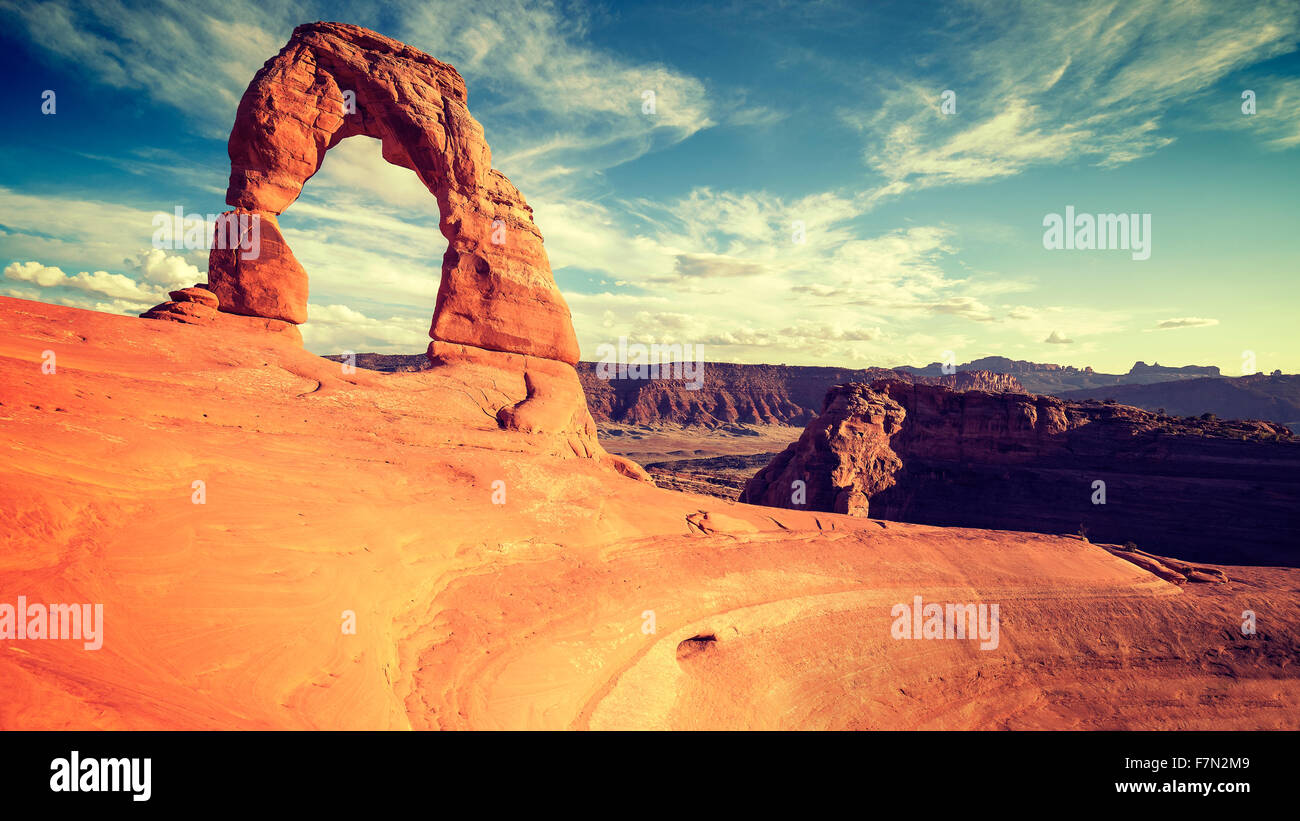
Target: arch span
497, 292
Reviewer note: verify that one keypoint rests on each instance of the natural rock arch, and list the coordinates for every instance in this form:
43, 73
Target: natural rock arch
498, 306
497, 292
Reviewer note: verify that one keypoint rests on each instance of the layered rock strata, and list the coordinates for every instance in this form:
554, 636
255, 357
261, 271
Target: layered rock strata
1203, 490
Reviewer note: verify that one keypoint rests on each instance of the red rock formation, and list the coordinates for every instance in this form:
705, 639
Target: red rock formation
497, 306
1183, 487
496, 293
841, 459
272, 285
987, 381
330, 491
198, 305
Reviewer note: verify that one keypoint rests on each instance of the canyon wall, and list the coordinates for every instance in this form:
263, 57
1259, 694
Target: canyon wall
749, 394
1203, 490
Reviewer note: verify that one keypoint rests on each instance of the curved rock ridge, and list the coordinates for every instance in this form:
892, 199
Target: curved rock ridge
930, 455
332, 81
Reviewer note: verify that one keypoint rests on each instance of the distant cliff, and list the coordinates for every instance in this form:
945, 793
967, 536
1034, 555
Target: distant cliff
751, 394
792, 394
1198, 489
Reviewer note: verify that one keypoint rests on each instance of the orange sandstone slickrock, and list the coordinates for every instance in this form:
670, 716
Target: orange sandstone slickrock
373, 493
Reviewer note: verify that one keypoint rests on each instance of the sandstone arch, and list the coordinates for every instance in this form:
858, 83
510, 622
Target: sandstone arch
498, 306
494, 296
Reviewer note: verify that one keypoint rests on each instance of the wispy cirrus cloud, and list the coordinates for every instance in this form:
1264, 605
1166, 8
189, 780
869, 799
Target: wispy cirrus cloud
1045, 83
563, 109
1276, 119
574, 110
194, 58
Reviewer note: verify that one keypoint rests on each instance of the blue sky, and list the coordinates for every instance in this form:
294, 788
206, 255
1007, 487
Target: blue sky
923, 230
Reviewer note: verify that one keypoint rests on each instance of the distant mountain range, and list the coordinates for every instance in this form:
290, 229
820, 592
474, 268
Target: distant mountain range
1190, 390
1046, 378
1275, 398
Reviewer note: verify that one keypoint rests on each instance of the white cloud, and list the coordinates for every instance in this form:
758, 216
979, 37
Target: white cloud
150, 274
338, 328
171, 272
748, 291
42, 275
114, 286
72, 229
574, 108
1185, 322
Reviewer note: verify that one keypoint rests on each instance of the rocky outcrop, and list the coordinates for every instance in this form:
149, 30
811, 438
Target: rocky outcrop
198, 305
977, 380
1200, 489
1171, 570
842, 458
270, 284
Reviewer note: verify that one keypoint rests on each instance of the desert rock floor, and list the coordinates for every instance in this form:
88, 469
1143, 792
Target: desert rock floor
373, 493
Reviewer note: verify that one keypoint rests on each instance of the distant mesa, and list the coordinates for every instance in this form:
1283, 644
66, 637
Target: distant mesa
1142, 368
